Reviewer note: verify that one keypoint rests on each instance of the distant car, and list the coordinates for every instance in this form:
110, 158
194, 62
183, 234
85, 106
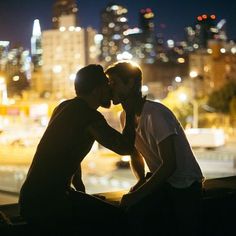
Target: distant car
123, 163
205, 137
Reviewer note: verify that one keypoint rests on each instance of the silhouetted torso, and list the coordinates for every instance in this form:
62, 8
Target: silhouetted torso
63, 146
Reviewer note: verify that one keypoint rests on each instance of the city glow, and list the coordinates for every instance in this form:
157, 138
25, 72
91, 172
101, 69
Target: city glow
233, 50
72, 77
98, 38
183, 97
223, 50
2, 80
4, 43
57, 69
115, 7
170, 43
123, 19
124, 56
132, 31
77, 29
16, 78
62, 28
125, 158
181, 60
178, 79
193, 74
71, 28
209, 50
145, 88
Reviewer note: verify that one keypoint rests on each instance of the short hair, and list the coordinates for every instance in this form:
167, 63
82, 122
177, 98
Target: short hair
88, 78
126, 70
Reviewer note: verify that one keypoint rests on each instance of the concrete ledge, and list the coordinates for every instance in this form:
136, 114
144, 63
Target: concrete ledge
219, 202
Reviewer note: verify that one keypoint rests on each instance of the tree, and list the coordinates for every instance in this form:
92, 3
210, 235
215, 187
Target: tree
220, 99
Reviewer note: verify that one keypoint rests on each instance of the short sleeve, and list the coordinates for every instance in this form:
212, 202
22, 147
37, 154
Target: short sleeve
161, 125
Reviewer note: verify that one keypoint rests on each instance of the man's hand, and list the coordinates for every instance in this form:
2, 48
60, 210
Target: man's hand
129, 104
126, 200
130, 199
137, 185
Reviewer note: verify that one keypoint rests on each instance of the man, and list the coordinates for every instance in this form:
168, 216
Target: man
46, 196
175, 185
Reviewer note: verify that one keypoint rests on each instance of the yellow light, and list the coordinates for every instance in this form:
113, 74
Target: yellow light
62, 28
57, 69
148, 15
2, 80
181, 60
183, 97
125, 158
16, 78
193, 74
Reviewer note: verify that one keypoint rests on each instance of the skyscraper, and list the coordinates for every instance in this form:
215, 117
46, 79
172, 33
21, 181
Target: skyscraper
66, 48
64, 8
204, 29
146, 17
36, 47
143, 40
114, 22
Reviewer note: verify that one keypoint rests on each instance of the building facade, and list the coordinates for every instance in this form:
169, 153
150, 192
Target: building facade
114, 23
65, 51
64, 8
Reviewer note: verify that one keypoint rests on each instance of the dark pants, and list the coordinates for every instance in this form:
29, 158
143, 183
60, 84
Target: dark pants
168, 211
75, 212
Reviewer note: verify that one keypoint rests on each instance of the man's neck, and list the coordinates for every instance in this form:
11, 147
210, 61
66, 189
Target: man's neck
90, 101
139, 105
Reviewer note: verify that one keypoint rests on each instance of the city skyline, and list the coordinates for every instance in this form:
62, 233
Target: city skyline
16, 18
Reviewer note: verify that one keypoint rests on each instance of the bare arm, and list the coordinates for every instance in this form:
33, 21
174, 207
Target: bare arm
167, 151
136, 162
110, 138
138, 169
77, 180
137, 165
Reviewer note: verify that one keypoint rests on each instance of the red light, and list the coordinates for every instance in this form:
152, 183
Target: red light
204, 16
148, 10
213, 17
199, 18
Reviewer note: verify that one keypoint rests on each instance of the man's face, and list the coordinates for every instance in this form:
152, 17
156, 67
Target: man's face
105, 98
119, 90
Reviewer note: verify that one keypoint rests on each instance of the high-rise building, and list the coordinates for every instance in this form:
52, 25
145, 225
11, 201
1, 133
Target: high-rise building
146, 17
66, 48
36, 47
67, 8
65, 51
17, 70
216, 65
205, 28
114, 23
143, 40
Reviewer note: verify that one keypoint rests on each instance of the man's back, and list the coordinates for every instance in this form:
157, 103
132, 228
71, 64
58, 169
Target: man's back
64, 144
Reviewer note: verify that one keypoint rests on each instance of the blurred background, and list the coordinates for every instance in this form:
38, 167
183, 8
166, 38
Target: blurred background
187, 54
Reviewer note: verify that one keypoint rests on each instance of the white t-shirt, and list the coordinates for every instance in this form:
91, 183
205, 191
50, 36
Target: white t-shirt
156, 123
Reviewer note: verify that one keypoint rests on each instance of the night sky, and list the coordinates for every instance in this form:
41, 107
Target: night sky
16, 16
